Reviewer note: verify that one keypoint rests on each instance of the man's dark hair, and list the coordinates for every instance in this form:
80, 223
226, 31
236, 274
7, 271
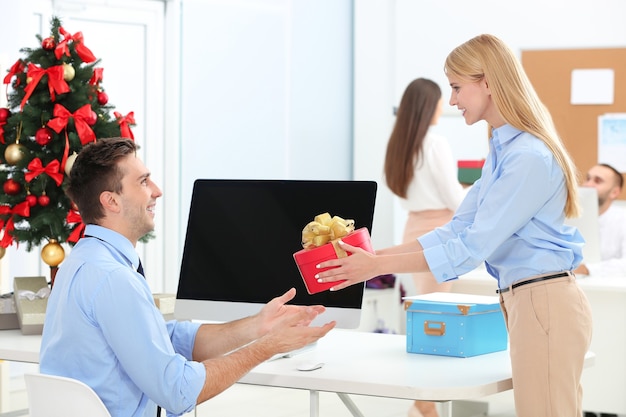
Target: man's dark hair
96, 170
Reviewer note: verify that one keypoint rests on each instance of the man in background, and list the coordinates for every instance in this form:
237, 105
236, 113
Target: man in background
609, 182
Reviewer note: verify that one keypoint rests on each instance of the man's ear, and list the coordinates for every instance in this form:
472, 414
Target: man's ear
615, 192
109, 201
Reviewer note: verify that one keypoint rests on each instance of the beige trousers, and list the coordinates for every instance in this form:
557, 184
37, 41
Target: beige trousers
417, 224
549, 325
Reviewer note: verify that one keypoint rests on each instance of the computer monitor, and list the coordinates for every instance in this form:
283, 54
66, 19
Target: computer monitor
240, 240
588, 224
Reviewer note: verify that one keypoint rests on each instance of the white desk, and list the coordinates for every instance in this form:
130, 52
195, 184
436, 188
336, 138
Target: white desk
604, 385
14, 346
359, 363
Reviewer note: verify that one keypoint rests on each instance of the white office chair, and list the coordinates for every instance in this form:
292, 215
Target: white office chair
56, 396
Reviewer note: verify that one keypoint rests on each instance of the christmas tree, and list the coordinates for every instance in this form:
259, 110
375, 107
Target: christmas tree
57, 105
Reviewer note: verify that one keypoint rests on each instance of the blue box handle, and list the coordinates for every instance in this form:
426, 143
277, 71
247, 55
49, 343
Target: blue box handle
434, 328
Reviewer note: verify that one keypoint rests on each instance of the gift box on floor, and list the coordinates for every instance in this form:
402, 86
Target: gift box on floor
451, 324
307, 259
31, 299
469, 170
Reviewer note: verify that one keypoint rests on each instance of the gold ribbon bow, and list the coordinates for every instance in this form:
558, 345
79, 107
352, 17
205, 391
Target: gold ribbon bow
326, 229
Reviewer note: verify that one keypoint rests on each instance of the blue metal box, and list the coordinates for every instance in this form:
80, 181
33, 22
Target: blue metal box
452, 324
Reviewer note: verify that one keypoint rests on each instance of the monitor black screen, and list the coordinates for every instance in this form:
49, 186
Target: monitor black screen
242, 234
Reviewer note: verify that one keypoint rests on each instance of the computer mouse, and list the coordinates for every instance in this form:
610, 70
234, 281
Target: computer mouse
309, 366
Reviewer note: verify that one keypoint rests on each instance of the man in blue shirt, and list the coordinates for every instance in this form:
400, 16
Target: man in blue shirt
102, 326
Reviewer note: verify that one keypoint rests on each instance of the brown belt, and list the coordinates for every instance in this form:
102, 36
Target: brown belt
531, 281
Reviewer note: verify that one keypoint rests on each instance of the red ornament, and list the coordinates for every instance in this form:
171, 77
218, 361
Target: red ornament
92, 119
11, 187
103, 98
48, 44
31, 200
4, 114
43, 200
43, 136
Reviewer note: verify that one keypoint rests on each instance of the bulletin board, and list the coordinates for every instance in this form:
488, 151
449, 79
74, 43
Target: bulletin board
550, 72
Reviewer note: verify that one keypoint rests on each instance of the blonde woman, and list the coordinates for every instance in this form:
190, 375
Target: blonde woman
512, 220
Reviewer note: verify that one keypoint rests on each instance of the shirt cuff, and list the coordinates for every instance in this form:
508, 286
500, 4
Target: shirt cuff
183, 336
429, 240
438, 263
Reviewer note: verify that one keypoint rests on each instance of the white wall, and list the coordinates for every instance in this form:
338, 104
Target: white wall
397, 41
265, 90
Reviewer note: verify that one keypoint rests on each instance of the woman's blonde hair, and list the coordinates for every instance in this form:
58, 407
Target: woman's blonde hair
487, 57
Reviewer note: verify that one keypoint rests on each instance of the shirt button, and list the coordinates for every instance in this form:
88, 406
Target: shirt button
445, 276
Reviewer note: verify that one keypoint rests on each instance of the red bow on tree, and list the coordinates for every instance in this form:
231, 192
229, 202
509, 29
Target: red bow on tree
74, 217
22, 209
97, 76
14, 70
83, 52
36, 168
124, 122
56, 83
62, 116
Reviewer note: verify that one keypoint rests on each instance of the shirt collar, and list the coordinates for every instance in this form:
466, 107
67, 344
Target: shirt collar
504, 134
116, 240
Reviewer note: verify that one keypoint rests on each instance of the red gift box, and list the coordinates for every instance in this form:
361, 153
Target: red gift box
307, 259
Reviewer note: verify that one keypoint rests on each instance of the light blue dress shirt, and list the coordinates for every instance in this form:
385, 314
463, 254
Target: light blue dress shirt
103, 328
511, 219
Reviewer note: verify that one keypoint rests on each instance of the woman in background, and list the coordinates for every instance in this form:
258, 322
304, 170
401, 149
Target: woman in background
512, 219
420, 170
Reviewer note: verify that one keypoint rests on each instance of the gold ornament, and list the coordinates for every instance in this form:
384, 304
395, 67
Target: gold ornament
70, 163
52, 253
14, 153
2, 252
68, 72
